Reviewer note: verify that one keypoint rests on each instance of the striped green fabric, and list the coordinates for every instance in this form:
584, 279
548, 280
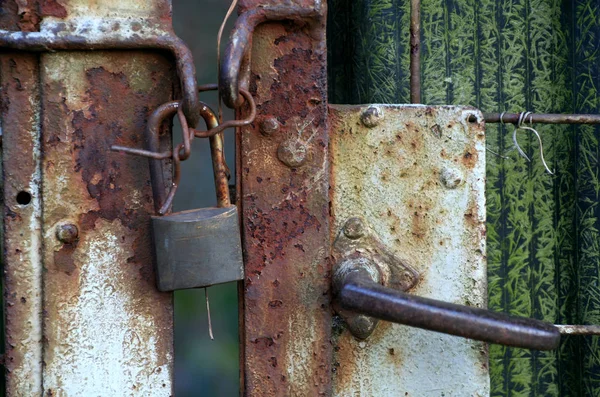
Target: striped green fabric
543, 230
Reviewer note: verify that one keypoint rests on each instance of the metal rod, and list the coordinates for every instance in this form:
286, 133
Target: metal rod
541, 118
218, 157
579, 329
415, 51
360, 294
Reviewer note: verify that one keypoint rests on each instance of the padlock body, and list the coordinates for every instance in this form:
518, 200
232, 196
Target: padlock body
197, 248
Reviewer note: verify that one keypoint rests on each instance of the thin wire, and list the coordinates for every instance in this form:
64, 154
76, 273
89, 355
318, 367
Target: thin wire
519, 125
210, 331
541, 148
522, 119
219, 36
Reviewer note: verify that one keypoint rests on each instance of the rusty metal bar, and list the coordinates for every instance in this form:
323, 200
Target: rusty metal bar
579, 329
360, 294
115, 34
22, 212
286, 346
415, 51
220, 171
541, 118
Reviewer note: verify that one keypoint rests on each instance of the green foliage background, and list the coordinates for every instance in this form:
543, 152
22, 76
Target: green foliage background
543, 230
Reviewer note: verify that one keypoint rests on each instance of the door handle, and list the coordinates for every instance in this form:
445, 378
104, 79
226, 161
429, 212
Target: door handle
356, 291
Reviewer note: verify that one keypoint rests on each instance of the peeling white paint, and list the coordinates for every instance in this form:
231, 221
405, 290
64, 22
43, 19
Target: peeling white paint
102, 351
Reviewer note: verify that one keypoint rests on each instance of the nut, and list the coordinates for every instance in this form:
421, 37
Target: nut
67, 233
372, 116
292, 153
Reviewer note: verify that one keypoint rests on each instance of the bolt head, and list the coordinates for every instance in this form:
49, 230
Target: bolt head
67, 233
268, 126
451, 178
292, 153
372, 116
355, 228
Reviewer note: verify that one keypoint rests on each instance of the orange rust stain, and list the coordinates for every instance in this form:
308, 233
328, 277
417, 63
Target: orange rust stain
469, 158
63, 259
419, 219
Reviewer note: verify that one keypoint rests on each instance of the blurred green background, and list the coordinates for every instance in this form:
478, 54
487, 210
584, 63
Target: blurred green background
202, 366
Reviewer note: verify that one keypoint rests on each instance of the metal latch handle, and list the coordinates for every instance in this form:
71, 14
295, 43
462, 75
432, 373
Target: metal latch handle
359, 293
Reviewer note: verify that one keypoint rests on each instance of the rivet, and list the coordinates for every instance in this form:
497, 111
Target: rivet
67, 233
292, 153
362, 327
354, 228
372, 116
268, 125
451, 178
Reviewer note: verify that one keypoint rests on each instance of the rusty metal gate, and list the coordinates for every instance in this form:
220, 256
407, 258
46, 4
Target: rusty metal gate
353, 217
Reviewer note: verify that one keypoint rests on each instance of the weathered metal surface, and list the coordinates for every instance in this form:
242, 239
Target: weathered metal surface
94, 307
286, 347
107, 330
418, 178
22, 282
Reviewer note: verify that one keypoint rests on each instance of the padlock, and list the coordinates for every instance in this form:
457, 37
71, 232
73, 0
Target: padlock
201, 247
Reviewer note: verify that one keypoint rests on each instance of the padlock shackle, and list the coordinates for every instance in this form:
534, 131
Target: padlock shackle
162, 200
164, 111
360, 294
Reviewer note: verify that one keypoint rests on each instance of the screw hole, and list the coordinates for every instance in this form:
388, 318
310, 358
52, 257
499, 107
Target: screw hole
23, 197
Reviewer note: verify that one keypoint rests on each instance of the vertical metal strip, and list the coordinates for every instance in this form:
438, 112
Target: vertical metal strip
285, 203
20, 114
107, 329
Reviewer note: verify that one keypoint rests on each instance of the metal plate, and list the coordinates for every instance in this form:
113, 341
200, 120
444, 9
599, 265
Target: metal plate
416, 174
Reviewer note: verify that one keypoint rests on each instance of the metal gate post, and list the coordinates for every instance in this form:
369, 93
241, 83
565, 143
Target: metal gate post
82, 310
286, 349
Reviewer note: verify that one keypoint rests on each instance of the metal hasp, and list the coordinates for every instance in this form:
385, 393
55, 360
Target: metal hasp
83, 316
416, 175
360, 293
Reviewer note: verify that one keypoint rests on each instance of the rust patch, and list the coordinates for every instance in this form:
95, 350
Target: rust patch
52, 8
29, 19
63, 259
470, 158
